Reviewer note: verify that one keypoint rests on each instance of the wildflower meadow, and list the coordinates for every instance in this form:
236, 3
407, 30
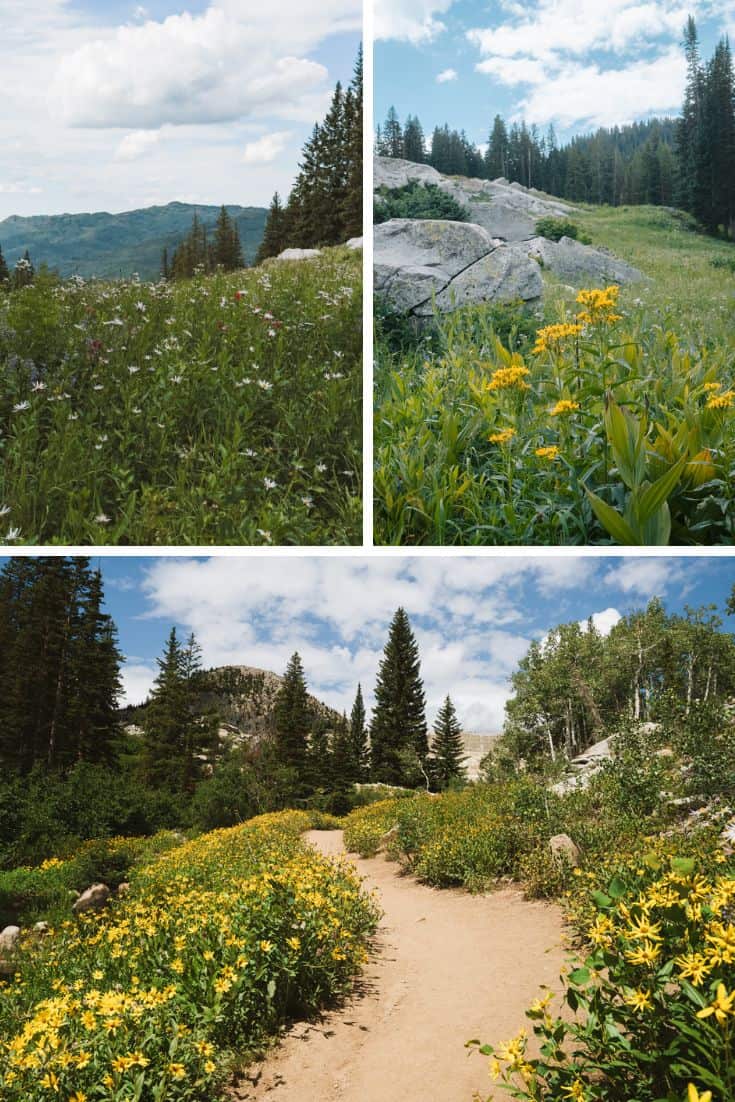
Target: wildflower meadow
223, 409
603, 418
215, 944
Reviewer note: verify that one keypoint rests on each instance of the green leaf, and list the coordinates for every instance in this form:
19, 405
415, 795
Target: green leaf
601, 900
579, 976
612, 522
627, 439
684, 866
654, 496
616, 889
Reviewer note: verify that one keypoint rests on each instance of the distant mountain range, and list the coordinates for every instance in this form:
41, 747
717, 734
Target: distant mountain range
111, 246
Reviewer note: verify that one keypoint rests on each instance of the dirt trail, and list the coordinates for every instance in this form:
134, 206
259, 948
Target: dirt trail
446, 966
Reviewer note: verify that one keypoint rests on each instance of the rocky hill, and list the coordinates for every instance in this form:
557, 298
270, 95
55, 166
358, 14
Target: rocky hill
242, 698
496, 255
113, 246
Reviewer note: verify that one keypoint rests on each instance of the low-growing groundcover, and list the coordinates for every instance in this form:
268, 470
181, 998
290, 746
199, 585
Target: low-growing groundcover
217, 943
220, 410
627, 396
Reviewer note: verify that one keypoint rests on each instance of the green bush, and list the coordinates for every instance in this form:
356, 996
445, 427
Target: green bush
726, 262
417, 200
556, 228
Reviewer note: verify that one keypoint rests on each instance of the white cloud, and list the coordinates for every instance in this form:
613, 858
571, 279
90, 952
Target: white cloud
604, 621
446, 75
264, 150
137, 678
553, 28
136, 144
409, 20
611, 97
514, 70
647, 577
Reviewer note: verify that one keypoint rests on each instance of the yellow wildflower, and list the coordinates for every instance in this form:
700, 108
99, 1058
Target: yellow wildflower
549, 452
639, 1000
600, 305
721, 401
509, 378
177, 1071
554, 335
502, 437
722, 1006
575, 1091
693, 1095
564, 405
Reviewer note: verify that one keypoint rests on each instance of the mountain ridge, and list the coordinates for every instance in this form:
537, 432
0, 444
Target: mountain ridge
102, 245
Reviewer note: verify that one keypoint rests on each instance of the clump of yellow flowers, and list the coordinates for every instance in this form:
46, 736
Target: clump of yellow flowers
653, 1003
213, 944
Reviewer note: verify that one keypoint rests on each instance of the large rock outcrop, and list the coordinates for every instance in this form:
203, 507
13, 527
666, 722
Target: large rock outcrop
419, 263
494, 257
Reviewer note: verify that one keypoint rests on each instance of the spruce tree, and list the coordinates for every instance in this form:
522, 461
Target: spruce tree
166, 723
447, 747
414, 144
274, 236
4, 273
359, 745
398, 727
342, 767
226, 250
292, 717
393, 134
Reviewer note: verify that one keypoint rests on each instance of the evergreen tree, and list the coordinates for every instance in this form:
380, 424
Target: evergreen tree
167, 751
59, 666
393, 134
352, 200
24, 272
342, 767
292, 717
360, 749
165, 267
226, 249
4, 273
276, 233
447, 747
398, 727
414, 143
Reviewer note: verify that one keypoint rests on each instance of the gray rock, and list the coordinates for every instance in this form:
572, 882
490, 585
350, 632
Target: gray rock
354, 243
579, 264
415, 259
564, 849
93, 899
124, 888
9, 939
298, 254
501, 276
41, 927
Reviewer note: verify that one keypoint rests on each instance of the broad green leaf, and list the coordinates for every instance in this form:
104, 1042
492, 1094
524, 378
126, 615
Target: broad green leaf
612, 522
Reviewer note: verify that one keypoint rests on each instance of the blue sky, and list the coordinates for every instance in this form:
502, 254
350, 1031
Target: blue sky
115, 104
474, 617
576, 64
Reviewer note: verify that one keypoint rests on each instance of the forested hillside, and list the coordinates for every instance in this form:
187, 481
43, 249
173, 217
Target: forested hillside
112, 246
688, 162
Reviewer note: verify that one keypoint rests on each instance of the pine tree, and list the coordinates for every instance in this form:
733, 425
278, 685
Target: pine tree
414, 144
227, 251
359, 746
292, 717
24, 272
167, 751
274, 237
393, 134
165, 267
352, 201
342, 767
4, 273
447, 747
398, 727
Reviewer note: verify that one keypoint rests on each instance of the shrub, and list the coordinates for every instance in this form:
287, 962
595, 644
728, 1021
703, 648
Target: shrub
556, 228
419, 201
726, 262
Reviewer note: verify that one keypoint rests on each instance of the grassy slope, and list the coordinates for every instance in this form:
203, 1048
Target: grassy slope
694, 295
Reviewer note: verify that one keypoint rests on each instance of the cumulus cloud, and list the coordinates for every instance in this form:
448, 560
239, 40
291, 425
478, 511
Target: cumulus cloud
587, 64
468, 614
136, 144
264, 150
409, 20
137, 680
608, 97
446, 75
649, 577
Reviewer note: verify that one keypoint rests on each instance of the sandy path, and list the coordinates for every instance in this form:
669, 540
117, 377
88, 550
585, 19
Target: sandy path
447, 966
